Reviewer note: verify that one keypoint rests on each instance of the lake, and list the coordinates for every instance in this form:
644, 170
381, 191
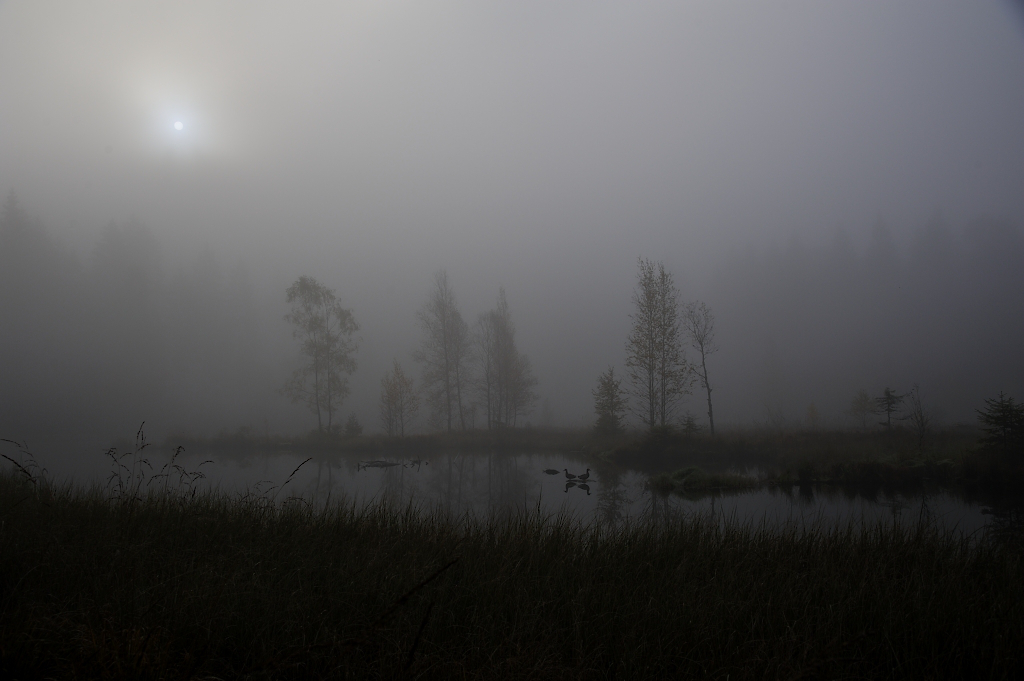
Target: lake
495, 483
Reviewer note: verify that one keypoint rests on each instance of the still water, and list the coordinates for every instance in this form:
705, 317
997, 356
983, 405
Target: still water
486, 483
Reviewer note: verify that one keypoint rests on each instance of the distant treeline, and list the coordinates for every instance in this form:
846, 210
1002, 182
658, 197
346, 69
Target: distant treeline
811, 323
100, 341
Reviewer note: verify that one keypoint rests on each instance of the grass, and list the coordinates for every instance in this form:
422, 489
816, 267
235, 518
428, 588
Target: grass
152, 581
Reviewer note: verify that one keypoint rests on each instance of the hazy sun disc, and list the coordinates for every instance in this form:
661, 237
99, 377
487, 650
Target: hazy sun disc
178, 125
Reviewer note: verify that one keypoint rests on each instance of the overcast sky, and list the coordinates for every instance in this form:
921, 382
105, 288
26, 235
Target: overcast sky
522, 124
542, 146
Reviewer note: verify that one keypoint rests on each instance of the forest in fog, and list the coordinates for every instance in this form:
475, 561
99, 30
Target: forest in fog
839, 184
96, 340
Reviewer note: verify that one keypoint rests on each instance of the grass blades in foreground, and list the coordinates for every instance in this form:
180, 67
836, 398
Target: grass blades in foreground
198, 586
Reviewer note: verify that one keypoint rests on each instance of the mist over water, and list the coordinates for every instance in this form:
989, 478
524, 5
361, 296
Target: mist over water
841, 184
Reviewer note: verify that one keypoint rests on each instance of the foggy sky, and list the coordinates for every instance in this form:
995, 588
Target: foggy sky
543, 147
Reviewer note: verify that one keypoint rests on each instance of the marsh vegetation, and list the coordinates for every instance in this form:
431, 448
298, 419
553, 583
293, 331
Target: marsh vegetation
142, 581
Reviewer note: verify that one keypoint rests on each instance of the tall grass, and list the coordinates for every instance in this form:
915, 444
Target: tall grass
161, 584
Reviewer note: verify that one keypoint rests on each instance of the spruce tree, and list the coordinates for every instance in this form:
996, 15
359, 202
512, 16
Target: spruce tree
1003, 424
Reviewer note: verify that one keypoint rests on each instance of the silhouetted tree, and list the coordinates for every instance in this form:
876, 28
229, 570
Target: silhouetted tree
609, 403
917, 417
444, 353
690, 425
506, 381
658, 372
325, 329
888, 404
45, 314
861, 406
699, 323
485, 338
128, 293
1002, 421
352, 426
398, 401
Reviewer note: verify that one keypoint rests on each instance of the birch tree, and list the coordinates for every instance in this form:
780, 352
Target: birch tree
398, 401
609, 404
325, 330
444, 354
655, 360
505, 381
699, 323
485, 338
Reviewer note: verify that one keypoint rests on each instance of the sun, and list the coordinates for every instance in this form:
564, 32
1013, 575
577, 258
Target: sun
178, 125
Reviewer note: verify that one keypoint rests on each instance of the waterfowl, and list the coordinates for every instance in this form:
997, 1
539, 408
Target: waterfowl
568, 475
585, 487
551, 471
585, 475
569, 484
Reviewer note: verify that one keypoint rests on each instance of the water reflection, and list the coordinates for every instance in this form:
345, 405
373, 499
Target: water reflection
826, 506
495, 482
1006, 518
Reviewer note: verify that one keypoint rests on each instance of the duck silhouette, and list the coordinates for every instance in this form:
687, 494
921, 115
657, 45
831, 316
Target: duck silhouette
568, 475
585, 476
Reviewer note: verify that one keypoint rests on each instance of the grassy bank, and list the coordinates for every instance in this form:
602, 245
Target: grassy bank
884, 461
174, 585
786, 449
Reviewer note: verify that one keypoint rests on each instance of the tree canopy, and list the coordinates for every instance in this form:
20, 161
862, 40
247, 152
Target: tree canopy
325, 329
658, 372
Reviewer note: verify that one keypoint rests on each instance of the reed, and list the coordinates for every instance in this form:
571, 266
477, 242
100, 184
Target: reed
164, 584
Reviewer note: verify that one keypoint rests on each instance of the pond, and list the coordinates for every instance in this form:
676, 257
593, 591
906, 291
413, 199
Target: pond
486, 483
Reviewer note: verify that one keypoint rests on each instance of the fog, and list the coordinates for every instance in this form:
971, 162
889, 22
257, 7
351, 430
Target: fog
843, 184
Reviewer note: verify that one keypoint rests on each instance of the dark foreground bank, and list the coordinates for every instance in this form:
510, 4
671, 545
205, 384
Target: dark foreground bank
160, 583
